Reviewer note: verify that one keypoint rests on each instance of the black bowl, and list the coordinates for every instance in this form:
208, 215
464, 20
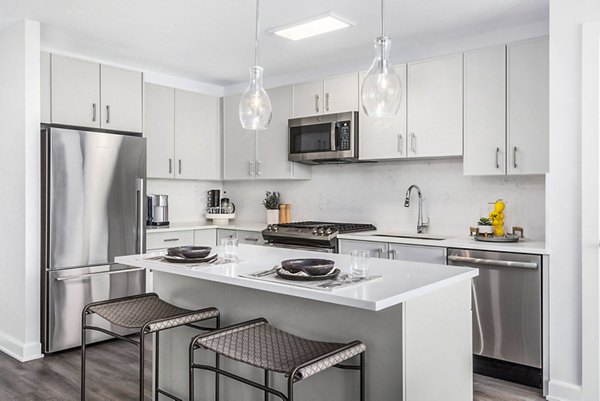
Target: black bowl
190, 252
312, 267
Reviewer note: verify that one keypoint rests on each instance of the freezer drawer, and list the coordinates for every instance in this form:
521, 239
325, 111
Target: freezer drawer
68, 291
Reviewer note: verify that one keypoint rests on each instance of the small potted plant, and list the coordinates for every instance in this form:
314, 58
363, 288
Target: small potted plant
271, 203
485, 226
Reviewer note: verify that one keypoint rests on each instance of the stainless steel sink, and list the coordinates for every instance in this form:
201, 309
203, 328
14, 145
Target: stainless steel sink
416, 236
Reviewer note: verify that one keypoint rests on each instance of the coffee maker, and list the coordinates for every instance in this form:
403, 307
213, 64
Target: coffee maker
158, 210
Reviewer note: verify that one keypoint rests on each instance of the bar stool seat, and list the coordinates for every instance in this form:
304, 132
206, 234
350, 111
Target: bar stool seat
147, 314
259, 344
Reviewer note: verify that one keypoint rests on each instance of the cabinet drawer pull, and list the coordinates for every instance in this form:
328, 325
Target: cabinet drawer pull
515, 157
250, 167
94, 112
327, 102
179, 166
108, 114
258, 167
170, 166
251, 239
171, 239
317, 103
400, 144
413, 142
378, 252
392, 254
497, 159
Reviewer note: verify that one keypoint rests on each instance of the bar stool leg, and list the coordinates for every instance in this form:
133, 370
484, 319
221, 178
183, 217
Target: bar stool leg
83, 339
363, 390
191, 373
156, 356
291, 388
142, 356
217, 362
266, 384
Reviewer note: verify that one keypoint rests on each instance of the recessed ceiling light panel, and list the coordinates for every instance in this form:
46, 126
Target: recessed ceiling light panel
311, 27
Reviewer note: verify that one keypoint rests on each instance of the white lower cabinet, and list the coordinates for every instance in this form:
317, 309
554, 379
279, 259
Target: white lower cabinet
376, 249
225, 233
205, 237
156, 240
250, 237
417, 253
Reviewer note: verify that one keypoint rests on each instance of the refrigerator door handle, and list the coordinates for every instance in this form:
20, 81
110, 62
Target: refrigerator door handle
141, 216
80, 276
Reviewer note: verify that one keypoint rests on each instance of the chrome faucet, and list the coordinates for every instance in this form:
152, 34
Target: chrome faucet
420, 223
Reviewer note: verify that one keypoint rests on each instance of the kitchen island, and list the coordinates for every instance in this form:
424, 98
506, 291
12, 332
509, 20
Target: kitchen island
415, 321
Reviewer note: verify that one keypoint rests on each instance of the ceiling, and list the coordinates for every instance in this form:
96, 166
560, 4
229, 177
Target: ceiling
212, 40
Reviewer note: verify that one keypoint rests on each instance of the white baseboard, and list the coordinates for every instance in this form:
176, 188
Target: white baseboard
562, 391
18, 350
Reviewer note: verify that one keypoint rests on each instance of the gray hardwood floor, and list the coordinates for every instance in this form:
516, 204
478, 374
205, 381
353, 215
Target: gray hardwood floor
112, 375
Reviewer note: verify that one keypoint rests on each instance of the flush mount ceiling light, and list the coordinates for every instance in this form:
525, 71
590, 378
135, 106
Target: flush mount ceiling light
381, 91
311, 27
255, 109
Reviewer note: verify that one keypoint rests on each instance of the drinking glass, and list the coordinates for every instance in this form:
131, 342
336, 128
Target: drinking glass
230, 249
360, 262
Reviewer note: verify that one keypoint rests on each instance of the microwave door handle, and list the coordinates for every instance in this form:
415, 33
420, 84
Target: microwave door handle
333, 147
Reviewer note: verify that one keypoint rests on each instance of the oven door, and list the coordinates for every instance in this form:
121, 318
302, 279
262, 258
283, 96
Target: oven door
301, 247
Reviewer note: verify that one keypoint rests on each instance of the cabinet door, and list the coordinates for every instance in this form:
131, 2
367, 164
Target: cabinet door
528, 103
417, 253
239, 144
272, 144
121, 98
340, 93
485, 112
376, 249
225, 233
45, 84
435, 107
197, 136
75, 92
205, 237
250, 237
384, 138
308, 99
159, 130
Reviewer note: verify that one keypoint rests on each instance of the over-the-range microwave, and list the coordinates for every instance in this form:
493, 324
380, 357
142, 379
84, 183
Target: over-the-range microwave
330, 138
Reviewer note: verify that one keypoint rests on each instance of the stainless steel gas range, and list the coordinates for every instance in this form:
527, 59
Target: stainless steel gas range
310, 235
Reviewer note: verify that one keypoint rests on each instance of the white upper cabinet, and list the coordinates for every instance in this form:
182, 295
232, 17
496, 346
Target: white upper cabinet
159, 129
87, 94
330, 95
527, 107
75, 92
384, 138
45, 115
485, 112
239, 148
121, 99
308, 99
435, 107
197, 136
262, 155
340, 93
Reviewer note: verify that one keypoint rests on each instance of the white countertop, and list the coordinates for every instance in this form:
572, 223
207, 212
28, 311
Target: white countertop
401, 280
525, 245
206, 225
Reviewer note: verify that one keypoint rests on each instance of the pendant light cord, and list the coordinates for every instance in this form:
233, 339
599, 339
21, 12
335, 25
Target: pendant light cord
381, 18
256, 35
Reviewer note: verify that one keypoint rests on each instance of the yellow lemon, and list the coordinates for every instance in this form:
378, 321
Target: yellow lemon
499, 231
500, 216
499, 207
493, 215
496, 223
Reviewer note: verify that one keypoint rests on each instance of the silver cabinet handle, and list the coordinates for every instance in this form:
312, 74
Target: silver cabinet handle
327, 102
497, 159
141, 193
170, 166
251, 239
378, 252
491, 262
108, 114
515, 157
94, 112
317, 103
171, 239
400, 144
258, 167
100, 274
179, 166
413, 142
392, 254
250, 167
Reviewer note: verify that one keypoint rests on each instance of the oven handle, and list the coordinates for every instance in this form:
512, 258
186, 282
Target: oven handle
333, 127
492, 262
99, 274
300, 247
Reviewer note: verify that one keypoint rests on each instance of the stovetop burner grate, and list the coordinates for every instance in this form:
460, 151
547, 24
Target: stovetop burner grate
340, 227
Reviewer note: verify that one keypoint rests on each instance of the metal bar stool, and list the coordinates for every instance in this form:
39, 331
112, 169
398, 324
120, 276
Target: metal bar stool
261, 345
149, 314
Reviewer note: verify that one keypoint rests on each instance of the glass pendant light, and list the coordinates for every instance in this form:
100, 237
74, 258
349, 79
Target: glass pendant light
381, 91
255, 107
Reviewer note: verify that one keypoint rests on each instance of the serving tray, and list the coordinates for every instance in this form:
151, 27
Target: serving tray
506, 238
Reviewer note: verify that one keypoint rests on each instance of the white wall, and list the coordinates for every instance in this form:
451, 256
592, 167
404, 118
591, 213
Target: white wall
374, 193
564, 195
187, 199
19, 179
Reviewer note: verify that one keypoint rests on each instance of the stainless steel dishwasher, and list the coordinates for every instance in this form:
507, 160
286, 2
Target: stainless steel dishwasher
507, 314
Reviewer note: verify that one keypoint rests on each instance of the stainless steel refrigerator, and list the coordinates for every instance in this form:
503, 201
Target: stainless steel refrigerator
93, 209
